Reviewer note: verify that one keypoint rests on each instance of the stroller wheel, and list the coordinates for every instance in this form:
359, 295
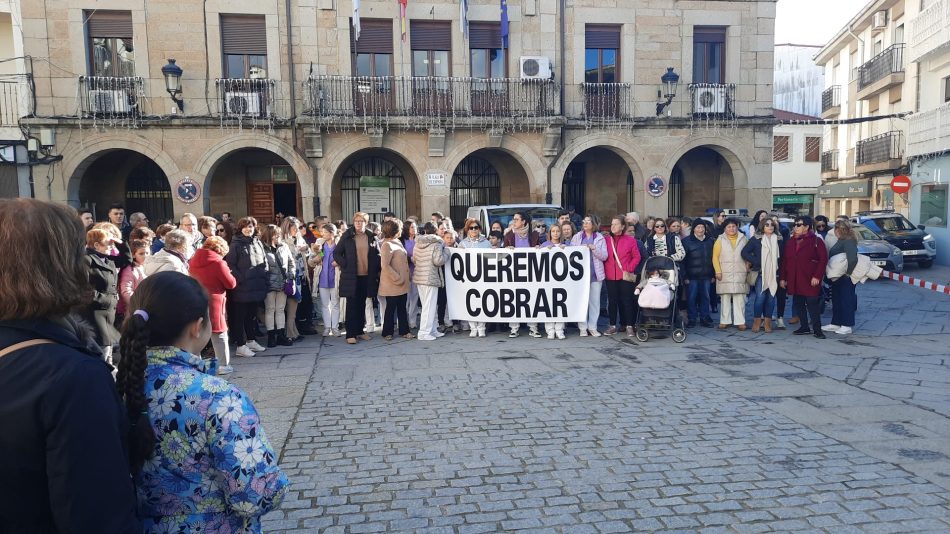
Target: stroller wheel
643, 334
679, 335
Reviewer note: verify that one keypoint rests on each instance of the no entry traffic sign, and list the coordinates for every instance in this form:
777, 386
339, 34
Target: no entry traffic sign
900, 184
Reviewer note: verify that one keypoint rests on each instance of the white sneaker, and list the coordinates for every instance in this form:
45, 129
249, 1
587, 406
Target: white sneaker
244, 351
780, 323
328, 333
438, 334
225, 370
425, 337
844, 330
255, 346
830, 328
595, 333
513, 333
533, 332
559, 334
550, 334
473, 333
583, 332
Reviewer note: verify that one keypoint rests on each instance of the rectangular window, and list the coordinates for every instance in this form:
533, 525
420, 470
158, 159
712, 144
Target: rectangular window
933, 205
431, 44
780, 148
709, 54
489, 59
244, 46
601, 53
373, 53
812, 149
946, 89
110, 43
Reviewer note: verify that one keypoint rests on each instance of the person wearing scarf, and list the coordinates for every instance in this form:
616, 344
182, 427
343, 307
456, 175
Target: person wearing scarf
762, 254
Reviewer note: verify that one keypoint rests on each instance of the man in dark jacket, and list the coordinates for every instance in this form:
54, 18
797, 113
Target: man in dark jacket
699, 273
357, 255
104, 279
249, 266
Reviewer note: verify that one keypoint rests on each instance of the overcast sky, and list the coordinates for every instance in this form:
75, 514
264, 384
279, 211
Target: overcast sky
813, 22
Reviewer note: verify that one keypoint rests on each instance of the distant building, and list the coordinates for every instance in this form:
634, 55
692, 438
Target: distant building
796, 163
798, 80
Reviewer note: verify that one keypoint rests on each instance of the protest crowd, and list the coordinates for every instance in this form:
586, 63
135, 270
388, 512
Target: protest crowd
117, 335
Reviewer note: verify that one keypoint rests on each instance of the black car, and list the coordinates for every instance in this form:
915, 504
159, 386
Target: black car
915, 244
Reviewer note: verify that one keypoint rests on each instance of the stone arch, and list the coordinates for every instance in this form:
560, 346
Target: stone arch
697, 157
620, 147
534, 167
331, 165
729, 149
76, 163
398, 161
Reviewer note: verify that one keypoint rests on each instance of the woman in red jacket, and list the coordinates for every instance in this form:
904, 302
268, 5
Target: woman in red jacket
801, 271
623, 255
209, 268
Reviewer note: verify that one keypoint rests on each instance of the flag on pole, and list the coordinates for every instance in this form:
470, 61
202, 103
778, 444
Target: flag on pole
504, 23
463, 17
402, 18
356, 20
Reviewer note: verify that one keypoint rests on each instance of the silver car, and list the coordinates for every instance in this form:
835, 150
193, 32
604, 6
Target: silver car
882, 253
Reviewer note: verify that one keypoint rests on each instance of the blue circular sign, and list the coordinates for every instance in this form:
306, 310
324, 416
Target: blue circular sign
187, 190
656, 186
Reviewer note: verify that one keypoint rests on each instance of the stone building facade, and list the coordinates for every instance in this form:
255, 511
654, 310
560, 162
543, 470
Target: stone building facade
283, 110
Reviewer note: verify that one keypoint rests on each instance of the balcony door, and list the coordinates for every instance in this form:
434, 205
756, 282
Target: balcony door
601, 70
244, 89
431, 44
373, 83
709, 55
110, 88
489, 64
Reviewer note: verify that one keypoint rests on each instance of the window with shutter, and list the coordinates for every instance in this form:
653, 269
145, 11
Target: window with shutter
780, 148
244, 46
601, 53
111, 53
488, 58
431, 44
709, 54
812, 149
373, 53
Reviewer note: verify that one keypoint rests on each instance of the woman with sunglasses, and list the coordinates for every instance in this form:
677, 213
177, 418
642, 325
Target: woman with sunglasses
473, 238
801, 273
763, 255
663, 243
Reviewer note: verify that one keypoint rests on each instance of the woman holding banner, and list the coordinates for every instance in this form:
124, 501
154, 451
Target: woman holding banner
555, 330
521, 236
623, 255
474, 239
589, 237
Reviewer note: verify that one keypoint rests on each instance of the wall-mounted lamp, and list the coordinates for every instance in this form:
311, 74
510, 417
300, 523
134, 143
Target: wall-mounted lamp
667, 90
172, 73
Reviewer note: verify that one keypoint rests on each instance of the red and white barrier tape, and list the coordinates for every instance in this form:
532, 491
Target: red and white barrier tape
910, 280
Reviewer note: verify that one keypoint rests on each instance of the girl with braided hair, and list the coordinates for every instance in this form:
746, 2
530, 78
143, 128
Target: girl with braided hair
199, 456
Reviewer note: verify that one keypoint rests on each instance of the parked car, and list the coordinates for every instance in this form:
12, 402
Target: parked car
915, 244
486, 215
882, 253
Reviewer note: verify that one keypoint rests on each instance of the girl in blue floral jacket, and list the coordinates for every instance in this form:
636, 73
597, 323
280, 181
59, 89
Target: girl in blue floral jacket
199, 455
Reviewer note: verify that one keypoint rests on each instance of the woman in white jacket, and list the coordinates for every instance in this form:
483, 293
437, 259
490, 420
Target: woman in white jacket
429, 256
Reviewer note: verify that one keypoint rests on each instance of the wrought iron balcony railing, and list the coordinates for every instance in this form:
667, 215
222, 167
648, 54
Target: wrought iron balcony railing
890, 61
605, 102
430, 99
880, 148
107, 97
16, 98
829, 161
830, 98
250, 99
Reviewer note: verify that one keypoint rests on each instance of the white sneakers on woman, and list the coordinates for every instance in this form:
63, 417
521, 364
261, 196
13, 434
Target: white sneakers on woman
843, 330
255, 346
244, 351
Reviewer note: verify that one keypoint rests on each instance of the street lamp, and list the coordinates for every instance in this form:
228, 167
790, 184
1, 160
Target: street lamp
668, 90
172, 73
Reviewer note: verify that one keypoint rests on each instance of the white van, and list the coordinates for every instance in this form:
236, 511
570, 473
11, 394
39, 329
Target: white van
503, 213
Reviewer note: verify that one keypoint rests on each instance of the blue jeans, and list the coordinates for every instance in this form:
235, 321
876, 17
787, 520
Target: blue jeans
697, 299
764, 301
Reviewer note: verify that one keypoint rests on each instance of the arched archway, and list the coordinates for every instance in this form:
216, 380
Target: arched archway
703, 179
484, 177
125, 177
254, 182
599, 180
375, 181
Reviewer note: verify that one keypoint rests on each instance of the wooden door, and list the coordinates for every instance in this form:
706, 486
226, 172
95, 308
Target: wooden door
260, 202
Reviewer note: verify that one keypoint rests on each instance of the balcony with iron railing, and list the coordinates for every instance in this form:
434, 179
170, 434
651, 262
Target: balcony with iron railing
829, 164
831, 102
879, 153
16, 99
250, 100
928, 132
881, 72
109, 98
429, 101
929, 30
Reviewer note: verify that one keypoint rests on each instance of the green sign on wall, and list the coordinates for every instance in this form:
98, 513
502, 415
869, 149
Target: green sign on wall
793, 199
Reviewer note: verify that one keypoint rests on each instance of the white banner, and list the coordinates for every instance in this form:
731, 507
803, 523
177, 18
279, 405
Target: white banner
508, 285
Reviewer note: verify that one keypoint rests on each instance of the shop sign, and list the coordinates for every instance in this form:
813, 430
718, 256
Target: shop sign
793, 199
374, 194
848, 190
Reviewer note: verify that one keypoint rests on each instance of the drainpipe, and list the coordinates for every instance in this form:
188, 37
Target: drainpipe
293, 79
549, 197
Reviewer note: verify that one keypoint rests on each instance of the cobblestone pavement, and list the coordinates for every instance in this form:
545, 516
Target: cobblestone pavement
728, 432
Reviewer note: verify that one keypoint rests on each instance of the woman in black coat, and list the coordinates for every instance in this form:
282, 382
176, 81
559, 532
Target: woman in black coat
63, 460
104, 280
248, 264
359, 275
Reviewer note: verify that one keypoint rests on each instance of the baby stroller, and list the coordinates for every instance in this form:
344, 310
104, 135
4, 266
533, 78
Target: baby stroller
651, 316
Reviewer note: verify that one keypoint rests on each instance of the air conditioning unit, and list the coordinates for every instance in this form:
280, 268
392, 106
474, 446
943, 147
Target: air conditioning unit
109, 102
243, 103
536, 68
879, 20
711, 99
